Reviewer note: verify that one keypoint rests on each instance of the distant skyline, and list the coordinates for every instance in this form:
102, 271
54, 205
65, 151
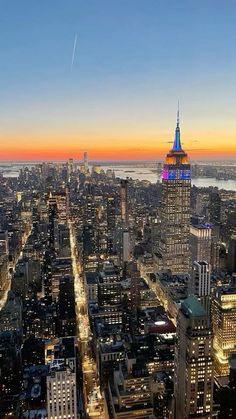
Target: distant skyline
105, 76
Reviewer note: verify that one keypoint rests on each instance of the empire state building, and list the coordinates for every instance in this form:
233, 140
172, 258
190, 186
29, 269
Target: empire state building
175, 209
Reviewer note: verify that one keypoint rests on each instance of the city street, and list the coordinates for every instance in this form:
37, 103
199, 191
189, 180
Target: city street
91, 390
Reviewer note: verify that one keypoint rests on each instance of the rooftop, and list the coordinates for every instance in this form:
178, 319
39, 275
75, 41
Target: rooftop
91, 278
193, 307
226, 290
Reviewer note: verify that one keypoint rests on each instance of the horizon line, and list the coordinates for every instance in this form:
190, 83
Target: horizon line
65, 160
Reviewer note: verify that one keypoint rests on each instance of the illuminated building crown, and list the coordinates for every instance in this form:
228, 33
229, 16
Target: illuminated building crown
176, 163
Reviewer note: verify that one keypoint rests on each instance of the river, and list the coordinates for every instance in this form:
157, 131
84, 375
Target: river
140, 173
147, 174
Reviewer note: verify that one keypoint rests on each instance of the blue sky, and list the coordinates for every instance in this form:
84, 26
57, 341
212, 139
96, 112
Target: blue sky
134, 60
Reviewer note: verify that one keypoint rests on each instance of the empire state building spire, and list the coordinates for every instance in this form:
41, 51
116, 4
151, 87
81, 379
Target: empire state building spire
177, 142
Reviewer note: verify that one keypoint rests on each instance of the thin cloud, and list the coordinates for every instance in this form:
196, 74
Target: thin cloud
73, 52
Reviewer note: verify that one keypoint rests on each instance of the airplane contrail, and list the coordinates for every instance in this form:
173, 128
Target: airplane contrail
73, 52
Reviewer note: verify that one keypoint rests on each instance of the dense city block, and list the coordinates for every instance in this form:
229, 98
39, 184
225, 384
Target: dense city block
117, 296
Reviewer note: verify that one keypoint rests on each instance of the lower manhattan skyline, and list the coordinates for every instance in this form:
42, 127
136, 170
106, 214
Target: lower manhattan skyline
114, 91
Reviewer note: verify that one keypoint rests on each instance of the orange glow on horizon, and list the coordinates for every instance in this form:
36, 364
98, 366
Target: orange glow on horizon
121, 154
26, 149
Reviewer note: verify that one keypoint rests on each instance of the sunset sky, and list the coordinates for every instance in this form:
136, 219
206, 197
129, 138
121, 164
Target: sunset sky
117, 98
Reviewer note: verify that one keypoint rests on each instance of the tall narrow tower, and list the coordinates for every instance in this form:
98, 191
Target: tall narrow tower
175, 209
86, 161
124, 200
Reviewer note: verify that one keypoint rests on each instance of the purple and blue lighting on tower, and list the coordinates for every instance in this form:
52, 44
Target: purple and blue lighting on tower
165, 173
172, 174
185, 174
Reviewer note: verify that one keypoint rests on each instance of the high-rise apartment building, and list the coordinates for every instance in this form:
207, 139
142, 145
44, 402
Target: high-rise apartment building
175, 210
193, 391
224, 326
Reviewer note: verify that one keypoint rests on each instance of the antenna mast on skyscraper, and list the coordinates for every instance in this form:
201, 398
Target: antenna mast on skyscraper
178, 114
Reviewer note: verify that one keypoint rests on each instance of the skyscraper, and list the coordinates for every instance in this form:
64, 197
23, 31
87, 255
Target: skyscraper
215, 207
61, 378
224, 326
124, 200
232, 255
193, 367
109, 286
111, 222
52, 222
111, 214
135, 296
86, 161
200, 283
175, 209
201, 277
201, 242
70, 166
125, 232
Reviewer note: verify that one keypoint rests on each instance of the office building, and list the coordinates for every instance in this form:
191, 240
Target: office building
232, 255
193, 391
52, 222
125, 246
4, 243
111, 223
86, 162
61, 379
135, 296
70, 166
111, 214
124, 201
201, 242
131, 395
201, 279
175, 210
66, 307
109, 285
224, 326
215, 208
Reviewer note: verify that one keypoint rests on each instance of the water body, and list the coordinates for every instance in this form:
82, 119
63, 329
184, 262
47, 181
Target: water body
147, 174
139, 173
11, 173
228, 185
